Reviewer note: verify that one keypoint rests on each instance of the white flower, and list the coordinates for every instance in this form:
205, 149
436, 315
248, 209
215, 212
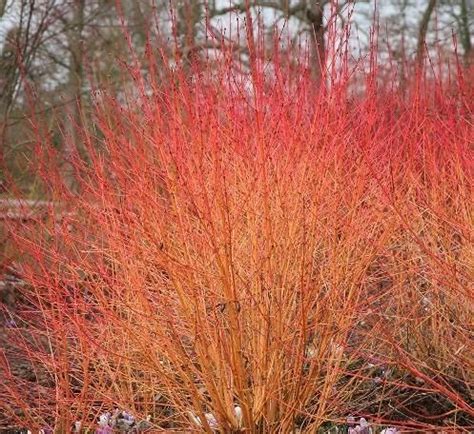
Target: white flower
389, 430
104, 419
238, 415
363, 427
377, 380
211, 420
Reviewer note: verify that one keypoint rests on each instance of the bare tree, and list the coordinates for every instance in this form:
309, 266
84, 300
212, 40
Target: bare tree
17, 57
49, 46
309, 13
53, 40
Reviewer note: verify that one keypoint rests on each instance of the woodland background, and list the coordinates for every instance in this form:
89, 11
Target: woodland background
65, 49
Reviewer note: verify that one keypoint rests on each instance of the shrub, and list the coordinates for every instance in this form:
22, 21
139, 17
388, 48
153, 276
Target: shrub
247, 253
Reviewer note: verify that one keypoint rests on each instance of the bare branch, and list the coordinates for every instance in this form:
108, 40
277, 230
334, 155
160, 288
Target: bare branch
297, 10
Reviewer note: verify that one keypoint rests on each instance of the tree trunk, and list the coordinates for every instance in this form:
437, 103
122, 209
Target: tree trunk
189, 14
425, 20
8, 82
466, 34
318, 49
74, 92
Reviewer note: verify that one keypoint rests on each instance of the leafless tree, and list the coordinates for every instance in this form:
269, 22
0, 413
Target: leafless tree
53, 42
309, 13
18, 55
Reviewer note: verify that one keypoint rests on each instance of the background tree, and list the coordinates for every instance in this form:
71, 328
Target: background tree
424, 23
59, 46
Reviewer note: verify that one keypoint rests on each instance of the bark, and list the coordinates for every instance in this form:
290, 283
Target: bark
425, 21
8, 80
318, 49
466, 33
74, 91
189, 15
